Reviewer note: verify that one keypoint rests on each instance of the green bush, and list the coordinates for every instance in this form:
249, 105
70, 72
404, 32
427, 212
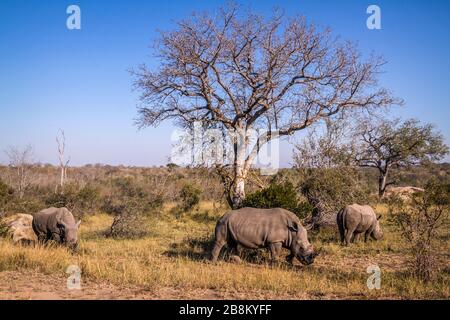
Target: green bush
66, 198
126, 193
190, 196
130, 203
88, 198
437, 193
6, 195
278, 196
420, 222
75, 198
327, 190
128, 224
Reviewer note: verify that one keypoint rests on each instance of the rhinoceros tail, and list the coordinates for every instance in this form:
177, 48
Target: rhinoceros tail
221, 232
340, 223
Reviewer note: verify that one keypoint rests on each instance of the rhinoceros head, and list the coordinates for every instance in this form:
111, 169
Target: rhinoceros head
300, 247
377, 233
70, 233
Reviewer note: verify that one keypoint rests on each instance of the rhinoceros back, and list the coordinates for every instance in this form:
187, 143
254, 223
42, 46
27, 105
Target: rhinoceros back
254, 228
359, 217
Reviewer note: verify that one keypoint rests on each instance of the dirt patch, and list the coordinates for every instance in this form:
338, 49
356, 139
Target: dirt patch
15, 285
21, 285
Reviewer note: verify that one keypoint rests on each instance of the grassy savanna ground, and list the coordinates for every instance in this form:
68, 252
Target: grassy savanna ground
174, 257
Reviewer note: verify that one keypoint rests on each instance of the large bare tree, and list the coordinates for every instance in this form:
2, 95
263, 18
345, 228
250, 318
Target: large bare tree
243, 73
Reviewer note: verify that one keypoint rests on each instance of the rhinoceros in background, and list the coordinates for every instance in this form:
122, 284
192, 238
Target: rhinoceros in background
57, 224
404, 193
261, 228
355, 219
20, 228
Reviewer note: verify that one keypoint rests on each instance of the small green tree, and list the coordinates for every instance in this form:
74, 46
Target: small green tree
395, 144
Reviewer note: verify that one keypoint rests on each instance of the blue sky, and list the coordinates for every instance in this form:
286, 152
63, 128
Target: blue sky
52, 77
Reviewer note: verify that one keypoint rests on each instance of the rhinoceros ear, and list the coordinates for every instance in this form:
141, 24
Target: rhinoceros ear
293, 226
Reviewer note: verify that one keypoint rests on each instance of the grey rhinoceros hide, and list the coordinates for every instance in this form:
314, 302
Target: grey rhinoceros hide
57, 224
356, 219
264, 228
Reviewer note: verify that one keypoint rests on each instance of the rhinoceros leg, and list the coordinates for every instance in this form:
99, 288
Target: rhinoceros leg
349, 236
366, 235
56, 237
342, 236
275, 249
236, 253
290, 258
216, 250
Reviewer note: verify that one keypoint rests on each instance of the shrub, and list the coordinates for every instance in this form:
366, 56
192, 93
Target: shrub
77, 200
277, 196
419, 222
190, 197
328, 190
130, 203
127, 193
87, 198
6, 195
128, 224
3, 226
65, 198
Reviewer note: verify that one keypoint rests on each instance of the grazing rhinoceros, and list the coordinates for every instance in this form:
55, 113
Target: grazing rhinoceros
57, 224
355, 219
261, 228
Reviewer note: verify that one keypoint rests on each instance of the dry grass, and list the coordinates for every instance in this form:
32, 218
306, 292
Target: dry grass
174, 254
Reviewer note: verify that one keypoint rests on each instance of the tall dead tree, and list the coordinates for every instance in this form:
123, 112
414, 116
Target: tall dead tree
244, 74
63, 164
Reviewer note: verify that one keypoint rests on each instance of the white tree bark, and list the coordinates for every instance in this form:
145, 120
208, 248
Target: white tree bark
61, 141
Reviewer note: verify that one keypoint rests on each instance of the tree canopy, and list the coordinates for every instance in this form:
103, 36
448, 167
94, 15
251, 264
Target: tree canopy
393, 143
244, 73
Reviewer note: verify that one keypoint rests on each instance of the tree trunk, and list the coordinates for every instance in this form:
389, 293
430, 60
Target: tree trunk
239, 169
382, 184
21, 177
61, 182
238, 192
